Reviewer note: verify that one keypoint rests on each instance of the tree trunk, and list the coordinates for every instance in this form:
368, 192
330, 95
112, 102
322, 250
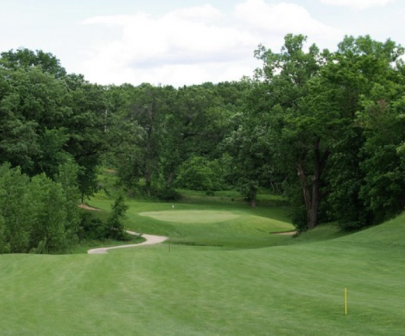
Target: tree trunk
253, 198
169, 180
306, 192
316, 201
313, 199
148, 181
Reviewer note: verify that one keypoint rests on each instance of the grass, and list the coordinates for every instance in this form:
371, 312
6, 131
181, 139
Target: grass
86, 245
227, 225
294, 289
191, 216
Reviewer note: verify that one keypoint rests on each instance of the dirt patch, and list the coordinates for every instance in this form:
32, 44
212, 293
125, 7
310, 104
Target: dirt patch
86, 207
288, 233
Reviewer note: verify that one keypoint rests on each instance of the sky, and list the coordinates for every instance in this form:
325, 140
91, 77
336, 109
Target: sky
184, 42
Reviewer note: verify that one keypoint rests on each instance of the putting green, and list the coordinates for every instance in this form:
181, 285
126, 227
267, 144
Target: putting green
191, 216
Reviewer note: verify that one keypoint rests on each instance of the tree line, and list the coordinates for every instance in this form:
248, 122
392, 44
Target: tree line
336, 121
323, 128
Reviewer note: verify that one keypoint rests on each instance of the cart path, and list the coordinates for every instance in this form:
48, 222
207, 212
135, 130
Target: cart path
150, 240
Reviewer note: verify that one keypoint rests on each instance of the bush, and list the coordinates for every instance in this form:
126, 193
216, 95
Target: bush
199, 174
92, 227
38, 214
167, 194
115, 225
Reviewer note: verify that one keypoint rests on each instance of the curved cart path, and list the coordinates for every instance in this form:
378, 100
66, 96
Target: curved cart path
150, 240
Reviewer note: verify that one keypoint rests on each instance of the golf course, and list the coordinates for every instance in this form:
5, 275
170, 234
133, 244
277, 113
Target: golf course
203, 170
222, 271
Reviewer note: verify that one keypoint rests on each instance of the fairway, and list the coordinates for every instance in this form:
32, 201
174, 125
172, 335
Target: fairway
214, 289
191, 216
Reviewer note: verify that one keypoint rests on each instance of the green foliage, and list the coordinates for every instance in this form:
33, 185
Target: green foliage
325, 129
47, 233
302, 122
365, 174
37, 215
334, 118
67, 177
25, 58
91, 227
48, 118
166, 194
15, 209
88, 127
346, 179
115, 225
165, 127
2, 235
198, 173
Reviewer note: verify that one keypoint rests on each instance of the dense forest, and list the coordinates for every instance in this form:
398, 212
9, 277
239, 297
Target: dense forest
325, 129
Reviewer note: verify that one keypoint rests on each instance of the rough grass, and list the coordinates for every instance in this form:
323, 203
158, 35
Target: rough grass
207, 290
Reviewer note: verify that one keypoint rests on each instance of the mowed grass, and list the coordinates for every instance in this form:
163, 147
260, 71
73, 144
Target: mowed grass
191, 216
209, 290
227, 225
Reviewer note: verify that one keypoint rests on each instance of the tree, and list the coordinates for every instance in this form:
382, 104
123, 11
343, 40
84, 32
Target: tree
366, 79
25, 58
48, 226
67, 178
114, 223
86, 129
32, 110
193, 126
36, 214
148, 108
303, 120
15, 209
197, 173
50, 117
168, 126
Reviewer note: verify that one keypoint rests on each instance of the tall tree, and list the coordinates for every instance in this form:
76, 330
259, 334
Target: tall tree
86, 127
298, 101
194, 126
149, 105
25, 58
366, 79
48, 117
248, 144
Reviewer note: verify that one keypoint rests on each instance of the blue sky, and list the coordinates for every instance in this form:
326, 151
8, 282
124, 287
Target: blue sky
181, 42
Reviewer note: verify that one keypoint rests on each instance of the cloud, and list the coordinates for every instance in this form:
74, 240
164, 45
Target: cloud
280, 19
195, 44
357, 4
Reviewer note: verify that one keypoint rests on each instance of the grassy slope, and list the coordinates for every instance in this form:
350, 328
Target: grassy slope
249, 228
197, 290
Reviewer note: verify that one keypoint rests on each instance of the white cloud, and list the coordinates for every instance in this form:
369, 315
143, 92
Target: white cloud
197, 44
282, 18
357, 4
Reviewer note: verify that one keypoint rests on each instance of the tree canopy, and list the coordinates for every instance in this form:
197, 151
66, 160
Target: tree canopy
323, 128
